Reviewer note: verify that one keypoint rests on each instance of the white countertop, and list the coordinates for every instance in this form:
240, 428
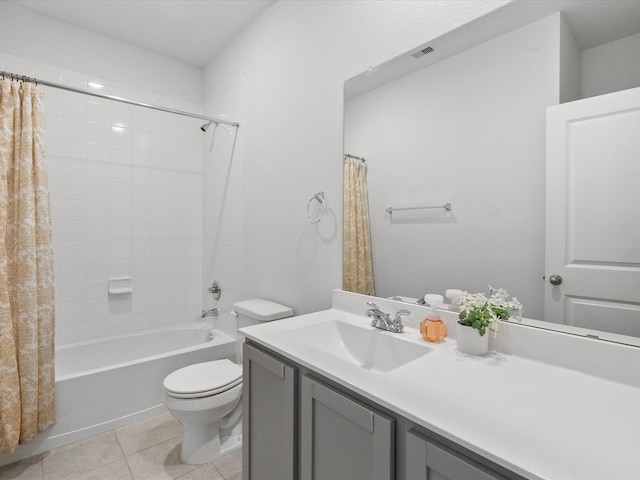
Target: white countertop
539, 420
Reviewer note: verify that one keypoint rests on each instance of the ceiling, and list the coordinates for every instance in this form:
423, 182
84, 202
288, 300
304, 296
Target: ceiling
192, 31
591, 23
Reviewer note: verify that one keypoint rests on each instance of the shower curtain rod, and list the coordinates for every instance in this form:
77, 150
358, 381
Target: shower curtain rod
37, 81
348, 155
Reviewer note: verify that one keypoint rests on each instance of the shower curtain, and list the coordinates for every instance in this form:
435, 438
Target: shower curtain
27, 379
357, 263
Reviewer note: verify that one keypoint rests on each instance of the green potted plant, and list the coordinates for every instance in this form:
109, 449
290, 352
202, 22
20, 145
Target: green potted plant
479, 313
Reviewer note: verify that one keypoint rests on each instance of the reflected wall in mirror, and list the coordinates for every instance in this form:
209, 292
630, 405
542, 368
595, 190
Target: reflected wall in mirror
466, 125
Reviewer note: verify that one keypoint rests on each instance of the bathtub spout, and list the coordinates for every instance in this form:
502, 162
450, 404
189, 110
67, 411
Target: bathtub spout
210, 313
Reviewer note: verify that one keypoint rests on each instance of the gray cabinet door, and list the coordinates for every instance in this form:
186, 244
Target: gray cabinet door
268, 424
428, 460
341, 439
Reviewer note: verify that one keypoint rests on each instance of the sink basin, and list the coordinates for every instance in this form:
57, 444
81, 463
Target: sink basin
370, 348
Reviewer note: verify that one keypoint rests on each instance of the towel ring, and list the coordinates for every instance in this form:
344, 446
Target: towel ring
319, 197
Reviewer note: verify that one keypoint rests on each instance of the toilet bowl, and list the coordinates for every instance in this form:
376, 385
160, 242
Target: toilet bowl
205, 397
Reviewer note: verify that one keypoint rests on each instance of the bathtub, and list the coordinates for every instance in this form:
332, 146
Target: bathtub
107, 383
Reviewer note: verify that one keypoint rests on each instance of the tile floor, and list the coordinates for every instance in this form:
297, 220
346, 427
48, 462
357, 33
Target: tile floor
147, 450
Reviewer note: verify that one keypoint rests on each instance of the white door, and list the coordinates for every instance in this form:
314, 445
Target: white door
593, 213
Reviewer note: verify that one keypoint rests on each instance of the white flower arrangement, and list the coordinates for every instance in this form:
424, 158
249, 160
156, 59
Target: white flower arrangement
482, 313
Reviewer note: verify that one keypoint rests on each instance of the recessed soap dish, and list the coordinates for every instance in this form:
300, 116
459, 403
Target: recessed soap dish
120, 285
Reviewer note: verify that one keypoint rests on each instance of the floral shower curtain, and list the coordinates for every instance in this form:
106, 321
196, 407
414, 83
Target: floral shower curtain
357, 263
27, 379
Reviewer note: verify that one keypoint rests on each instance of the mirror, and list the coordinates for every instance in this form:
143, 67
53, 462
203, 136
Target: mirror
465, 124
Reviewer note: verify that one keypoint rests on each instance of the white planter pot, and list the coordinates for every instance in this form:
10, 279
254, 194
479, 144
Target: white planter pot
470, 341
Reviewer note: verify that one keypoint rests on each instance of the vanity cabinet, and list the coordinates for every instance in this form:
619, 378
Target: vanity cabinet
342, 438
269, 421
299, 425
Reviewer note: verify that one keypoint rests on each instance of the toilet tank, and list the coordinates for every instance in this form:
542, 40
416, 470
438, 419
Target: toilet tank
253, 312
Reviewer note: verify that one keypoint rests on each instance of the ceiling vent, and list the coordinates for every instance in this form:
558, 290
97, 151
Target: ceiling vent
423, 52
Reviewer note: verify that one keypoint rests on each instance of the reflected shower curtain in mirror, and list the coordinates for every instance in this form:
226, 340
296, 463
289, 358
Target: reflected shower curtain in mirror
357, 264
27, 379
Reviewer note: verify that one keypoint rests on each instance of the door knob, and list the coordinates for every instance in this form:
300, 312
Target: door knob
555, 279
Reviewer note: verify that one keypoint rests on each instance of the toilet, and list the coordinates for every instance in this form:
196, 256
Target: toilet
205, 397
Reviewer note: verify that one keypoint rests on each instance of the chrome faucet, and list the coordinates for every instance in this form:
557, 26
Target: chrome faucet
382, 320
216, 291
213, 312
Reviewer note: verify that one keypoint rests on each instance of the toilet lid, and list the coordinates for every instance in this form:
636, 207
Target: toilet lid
203, 379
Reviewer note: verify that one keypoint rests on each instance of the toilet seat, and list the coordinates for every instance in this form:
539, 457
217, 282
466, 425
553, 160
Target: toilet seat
203, 379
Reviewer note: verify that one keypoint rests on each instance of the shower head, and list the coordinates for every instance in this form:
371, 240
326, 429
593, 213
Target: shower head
206, 126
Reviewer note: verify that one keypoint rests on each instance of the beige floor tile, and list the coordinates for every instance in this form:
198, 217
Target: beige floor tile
230, 464
118, 470
235, 476
147, 433
28, 469
205, 472
160, 462
65, 462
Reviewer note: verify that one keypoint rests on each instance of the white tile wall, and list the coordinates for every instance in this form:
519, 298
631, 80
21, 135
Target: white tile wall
126, 192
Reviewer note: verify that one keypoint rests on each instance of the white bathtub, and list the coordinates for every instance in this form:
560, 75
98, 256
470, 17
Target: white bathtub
111, 382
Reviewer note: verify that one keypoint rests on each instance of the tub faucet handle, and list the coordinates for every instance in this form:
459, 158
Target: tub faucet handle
216, 290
